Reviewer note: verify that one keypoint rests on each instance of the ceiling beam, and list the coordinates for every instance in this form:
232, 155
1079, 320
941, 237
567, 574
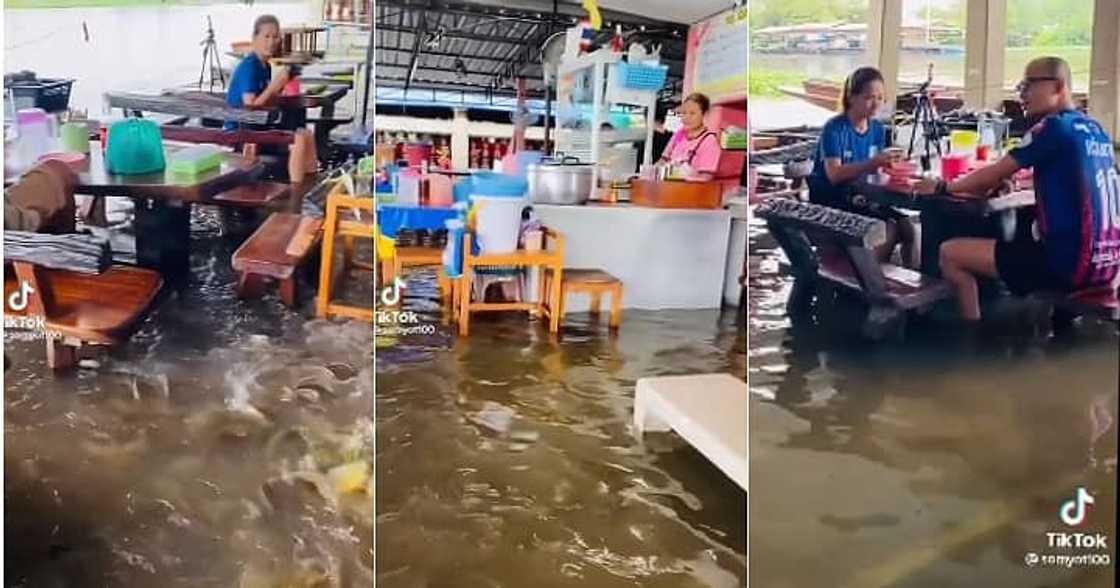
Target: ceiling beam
484, 74
394, 81
417, 42
452, 34
462, 56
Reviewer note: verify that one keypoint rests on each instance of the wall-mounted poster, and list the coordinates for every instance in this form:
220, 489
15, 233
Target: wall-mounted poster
718, 56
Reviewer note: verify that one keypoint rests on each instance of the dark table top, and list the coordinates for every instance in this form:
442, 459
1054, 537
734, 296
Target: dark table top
95, 180
900, 197
190, 101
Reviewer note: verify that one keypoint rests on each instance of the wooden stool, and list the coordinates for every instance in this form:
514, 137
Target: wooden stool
274, 251
351, 218
405, 257
596, 283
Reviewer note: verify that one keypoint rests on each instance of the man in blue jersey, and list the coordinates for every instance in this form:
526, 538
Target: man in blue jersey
1075, 242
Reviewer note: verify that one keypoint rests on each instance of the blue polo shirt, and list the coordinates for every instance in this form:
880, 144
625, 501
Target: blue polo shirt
840, 140
251, 76
1078, 191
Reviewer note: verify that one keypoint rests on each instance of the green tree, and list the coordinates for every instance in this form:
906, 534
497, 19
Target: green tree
1037, 23
768, 13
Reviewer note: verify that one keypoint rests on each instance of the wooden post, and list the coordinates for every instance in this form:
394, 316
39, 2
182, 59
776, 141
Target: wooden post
985, 46
884, 35
1104, 71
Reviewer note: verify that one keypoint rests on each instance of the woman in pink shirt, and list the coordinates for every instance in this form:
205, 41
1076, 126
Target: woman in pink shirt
694, 144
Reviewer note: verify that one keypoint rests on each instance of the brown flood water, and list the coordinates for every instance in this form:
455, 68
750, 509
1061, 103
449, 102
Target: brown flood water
919, 465
505, 459
199, 454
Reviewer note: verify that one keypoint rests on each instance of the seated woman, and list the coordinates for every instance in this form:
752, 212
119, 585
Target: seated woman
851, 146
694, 144
252, 86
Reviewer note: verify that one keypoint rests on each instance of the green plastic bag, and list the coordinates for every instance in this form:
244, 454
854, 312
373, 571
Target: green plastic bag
135, 146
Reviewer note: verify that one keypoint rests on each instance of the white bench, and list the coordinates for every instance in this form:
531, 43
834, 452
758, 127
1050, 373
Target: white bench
708, 410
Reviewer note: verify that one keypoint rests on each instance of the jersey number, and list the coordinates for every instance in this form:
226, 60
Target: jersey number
1108, 183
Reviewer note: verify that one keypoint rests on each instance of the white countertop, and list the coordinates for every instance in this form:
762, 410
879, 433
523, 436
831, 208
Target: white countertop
666, 258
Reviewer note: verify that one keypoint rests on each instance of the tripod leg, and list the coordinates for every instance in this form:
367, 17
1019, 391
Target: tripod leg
202, 72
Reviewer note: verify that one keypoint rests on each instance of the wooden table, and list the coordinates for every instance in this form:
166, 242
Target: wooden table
943, 218
163, 201
194, 103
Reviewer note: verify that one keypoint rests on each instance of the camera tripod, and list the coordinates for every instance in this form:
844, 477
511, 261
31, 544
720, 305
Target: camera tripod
927, 122
211, 58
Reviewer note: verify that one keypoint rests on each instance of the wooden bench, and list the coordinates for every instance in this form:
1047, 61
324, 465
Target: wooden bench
275, 251
844, 258
96, 304
254, 195
190, 134
709, 411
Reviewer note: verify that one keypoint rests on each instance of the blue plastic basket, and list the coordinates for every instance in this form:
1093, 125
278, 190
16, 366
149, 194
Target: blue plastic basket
642, 77
493, 184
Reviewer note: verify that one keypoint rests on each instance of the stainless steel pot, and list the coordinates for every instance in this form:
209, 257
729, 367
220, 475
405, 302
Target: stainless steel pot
564, 182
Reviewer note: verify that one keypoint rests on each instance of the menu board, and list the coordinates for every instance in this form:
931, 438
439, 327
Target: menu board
718, 56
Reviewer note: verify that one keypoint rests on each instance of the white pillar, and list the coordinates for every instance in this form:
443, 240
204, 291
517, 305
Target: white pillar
884, 40
316, 12
460, 141
985, 49
1104, 71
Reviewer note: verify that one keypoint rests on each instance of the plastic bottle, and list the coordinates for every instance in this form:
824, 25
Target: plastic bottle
987, 137
34, 134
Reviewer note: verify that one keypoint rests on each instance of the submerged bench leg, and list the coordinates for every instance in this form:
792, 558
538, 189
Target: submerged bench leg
60, 354
288, 291
250, 285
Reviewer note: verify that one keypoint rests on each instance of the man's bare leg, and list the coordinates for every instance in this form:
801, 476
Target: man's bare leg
962, 261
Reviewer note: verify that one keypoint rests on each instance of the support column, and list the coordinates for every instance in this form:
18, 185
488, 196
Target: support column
985, 50
460, 141
884, 41
1104, 70
519, 123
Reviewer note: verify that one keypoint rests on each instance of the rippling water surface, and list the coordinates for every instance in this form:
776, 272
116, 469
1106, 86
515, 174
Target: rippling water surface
921, 463
228, 444
506, 458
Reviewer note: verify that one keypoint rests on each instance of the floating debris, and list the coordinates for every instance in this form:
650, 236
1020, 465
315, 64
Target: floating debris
495, 417
350, 478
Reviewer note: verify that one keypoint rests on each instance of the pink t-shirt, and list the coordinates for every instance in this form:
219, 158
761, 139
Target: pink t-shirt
704, 151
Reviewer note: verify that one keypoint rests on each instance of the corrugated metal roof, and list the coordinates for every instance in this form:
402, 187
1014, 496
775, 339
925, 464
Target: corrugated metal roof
483, 47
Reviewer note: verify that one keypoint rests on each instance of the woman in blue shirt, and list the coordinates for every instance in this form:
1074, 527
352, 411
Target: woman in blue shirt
851, 146
252, 84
